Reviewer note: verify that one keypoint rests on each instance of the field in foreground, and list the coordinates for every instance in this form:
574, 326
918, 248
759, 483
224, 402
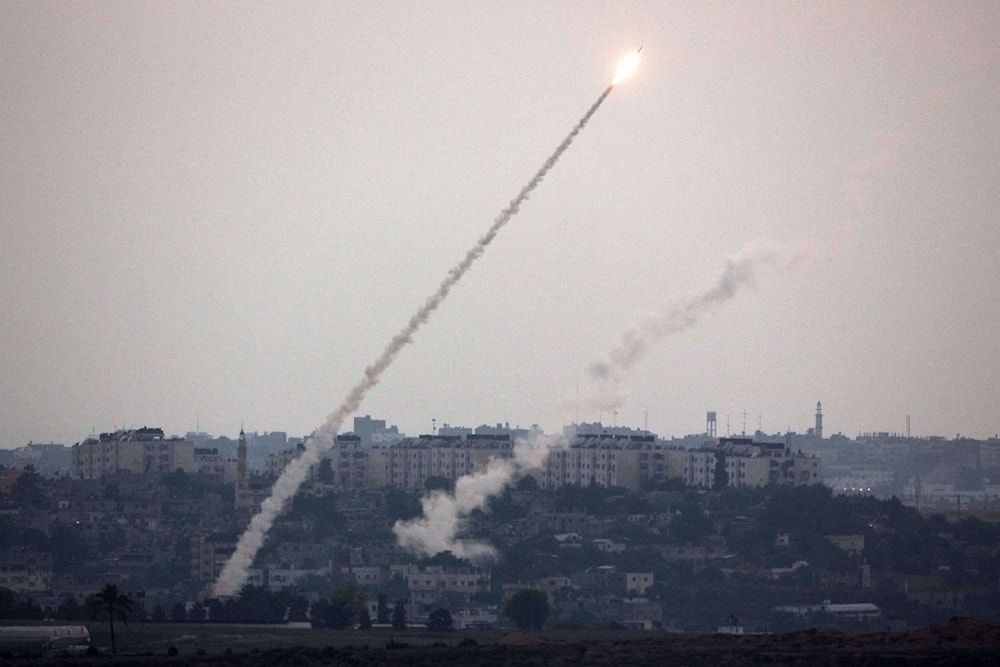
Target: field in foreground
962, 641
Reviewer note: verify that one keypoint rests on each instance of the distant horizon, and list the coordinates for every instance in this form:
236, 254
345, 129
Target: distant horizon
827, 432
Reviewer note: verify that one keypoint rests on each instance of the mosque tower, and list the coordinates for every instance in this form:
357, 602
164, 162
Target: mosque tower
242, 475
818, 431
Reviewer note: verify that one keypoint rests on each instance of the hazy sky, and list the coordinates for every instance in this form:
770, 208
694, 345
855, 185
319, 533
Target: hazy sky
219, 213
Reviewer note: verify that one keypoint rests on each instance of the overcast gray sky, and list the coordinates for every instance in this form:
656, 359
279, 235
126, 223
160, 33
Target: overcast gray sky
219, 213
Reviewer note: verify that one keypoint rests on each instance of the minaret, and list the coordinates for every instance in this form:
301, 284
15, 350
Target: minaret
242, 478
818, 431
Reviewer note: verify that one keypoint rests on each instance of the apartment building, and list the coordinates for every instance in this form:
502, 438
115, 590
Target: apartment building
143, 450
620, 460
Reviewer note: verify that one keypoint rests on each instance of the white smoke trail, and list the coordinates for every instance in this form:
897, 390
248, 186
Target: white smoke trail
609, 373
235, 573
444, 513
435, 531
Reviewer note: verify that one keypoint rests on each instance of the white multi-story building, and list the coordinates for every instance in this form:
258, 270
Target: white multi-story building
409, 463
209, 462
427, 584
139, 451
699, 469
369, 576
283, 576
605, 460
754, 464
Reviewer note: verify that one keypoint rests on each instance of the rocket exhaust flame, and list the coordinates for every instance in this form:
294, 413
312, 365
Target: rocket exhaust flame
235, 573
627, 67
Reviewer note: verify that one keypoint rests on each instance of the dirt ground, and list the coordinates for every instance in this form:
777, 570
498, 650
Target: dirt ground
962, 641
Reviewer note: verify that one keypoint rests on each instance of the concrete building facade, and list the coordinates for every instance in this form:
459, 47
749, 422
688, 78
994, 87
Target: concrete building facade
144, 450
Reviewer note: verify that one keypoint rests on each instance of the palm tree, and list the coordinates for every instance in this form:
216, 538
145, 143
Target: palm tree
109, 601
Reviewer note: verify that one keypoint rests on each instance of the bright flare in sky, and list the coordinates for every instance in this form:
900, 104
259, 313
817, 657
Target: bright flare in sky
627, 67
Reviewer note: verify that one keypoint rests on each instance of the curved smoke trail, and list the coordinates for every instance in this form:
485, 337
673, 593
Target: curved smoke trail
739, 271
235, 574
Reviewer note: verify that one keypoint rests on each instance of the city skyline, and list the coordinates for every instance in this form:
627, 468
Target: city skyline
216, 218
742, 423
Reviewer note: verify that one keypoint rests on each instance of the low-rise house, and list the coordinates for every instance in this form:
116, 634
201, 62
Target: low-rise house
208, 556
428, 583
367, 576
553, 587
637, 583
569, 540
279, 577
25, 570
607, 546
852, 544
8, 478
476, 617
696, 556
856, 611
777, 573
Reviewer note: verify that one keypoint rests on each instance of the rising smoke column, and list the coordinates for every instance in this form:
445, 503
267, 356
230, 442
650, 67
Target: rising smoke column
443, 513
235, 574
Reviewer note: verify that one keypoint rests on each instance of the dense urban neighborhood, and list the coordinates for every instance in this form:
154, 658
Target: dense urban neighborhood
619, 528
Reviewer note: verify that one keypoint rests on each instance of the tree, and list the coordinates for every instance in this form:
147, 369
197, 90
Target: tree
690, 523
322, 585
178, 612
527, 483
324, 471
197, 613
400, 505
13, 607
336, 614
438, 483
397, 587
382, 614
440, 621
528, 609
27, 490
70, 610
399, 616
344, 608
298, 608
109, 601
255, 604
443, 558
721, 477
